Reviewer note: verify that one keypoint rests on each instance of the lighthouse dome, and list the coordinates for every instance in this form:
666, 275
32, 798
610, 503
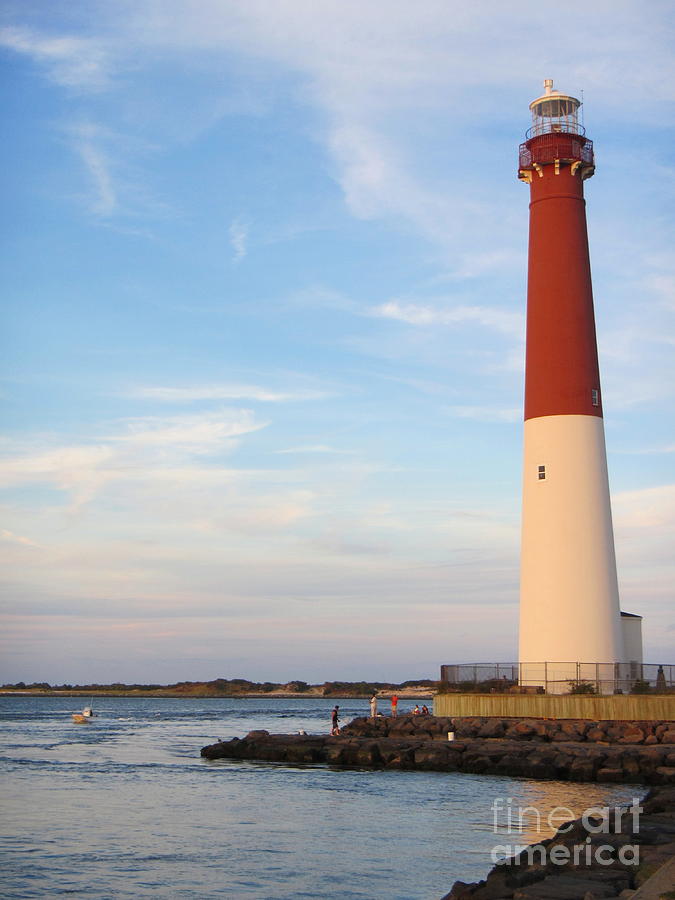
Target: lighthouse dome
554, 112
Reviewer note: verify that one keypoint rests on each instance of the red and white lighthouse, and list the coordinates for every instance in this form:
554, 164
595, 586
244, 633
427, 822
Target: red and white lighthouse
569, 599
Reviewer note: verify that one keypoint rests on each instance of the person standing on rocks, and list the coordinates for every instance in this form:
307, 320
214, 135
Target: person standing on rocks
394, 705
373, 706
335, 720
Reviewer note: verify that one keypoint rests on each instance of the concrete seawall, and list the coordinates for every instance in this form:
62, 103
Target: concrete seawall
617, 707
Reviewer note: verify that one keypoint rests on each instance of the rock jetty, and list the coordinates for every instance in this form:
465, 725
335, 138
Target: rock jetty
630, 752
554, 731
635, 857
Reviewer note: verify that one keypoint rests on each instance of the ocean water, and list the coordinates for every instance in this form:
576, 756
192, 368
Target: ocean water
125, 807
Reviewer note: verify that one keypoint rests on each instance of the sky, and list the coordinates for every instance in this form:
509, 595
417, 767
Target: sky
264, 274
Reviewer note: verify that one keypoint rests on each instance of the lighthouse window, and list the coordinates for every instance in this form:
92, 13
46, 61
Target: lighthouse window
595, 397
542, 472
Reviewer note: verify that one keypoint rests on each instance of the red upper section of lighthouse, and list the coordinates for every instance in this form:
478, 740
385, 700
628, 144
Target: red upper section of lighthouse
561, 372
546, 148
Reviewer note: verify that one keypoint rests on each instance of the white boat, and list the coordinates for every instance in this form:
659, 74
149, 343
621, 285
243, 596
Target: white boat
83, 717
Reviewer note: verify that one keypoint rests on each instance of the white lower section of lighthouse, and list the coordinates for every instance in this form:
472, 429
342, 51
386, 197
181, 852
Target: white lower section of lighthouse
569, 597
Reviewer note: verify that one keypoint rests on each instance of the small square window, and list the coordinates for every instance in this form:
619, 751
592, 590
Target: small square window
542, 472
595, 397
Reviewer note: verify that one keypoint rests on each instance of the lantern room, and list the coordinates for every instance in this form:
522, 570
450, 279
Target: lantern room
554, 112
556, 137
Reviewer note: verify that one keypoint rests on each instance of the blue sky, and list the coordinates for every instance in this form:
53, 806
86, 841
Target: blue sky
264, 279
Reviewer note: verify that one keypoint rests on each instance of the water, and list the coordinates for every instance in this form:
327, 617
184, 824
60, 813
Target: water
125, 807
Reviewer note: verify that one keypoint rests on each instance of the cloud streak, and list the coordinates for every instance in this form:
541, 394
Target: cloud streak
238, 234
226, 392
72, 62
197, 434
10, 537
145, 449
424, 315
86, 140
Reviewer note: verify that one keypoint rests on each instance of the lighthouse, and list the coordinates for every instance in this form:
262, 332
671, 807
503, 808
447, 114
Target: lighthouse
569, 598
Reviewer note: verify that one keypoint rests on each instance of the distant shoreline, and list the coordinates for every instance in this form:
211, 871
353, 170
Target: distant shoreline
240, 695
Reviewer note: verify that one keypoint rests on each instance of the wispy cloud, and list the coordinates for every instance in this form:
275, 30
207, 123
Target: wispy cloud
238, 232
649, 508
87, 142
486, 413
510, 323
60, 465
226, 392
80, 471
647, 451
143, 449
73, 62
315, 448
11, 538
198, 433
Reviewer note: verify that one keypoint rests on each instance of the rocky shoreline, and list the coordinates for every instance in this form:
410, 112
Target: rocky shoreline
630, 752
633, 856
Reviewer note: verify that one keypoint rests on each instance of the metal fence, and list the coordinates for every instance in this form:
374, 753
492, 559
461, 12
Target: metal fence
560, 677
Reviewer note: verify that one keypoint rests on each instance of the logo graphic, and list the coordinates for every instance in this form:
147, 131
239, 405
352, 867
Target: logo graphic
588, 850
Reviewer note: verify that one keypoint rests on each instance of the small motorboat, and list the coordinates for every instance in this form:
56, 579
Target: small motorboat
84, 717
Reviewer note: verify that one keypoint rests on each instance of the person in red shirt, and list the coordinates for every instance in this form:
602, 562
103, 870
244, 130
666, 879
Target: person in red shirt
394, 705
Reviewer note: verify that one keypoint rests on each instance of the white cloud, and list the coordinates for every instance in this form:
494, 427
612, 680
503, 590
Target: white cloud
663, 286
61, 465
226, 392
198, 433
238, 233
314, 448
79, 471
72, 62
486, 413
647, 451
250, 514
145, 450
87, 144
116, 186
424, 315
11, 538
374, 182
649, 508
